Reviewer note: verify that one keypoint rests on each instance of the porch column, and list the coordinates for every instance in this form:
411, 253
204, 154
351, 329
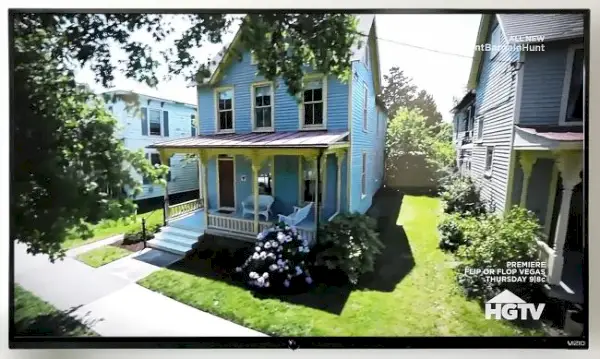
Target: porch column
256, 163
200, 192
569, 164
340, 159
323, 176
316, 199
527, 160
164, 158
203, 158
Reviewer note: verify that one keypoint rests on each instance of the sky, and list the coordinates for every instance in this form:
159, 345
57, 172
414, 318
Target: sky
442, 75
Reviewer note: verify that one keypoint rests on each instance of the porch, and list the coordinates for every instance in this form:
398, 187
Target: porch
547, 179
293, 170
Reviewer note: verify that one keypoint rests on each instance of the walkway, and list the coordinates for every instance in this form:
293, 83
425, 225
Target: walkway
109, 301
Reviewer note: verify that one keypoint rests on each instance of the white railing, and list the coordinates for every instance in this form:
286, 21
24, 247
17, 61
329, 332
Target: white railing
183, 208
307, 234
231, 224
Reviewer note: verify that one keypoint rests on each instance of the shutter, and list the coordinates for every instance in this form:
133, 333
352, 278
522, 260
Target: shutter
169, 173
145, 122
166, 123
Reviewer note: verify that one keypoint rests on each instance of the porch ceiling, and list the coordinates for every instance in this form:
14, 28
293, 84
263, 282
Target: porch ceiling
292, 139
548, 137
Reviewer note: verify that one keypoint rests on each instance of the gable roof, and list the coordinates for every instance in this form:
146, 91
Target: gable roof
366, 25
550, 27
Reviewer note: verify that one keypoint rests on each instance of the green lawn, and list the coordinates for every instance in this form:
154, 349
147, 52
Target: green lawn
109, 228
103, 255
34, 317
412, 293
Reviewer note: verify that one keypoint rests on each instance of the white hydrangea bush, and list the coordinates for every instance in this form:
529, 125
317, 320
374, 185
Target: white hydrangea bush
280, 259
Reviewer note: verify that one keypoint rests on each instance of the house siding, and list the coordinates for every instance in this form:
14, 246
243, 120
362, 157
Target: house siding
287, 183
495, 103
184, 173
241, 75
363, 142
543, 79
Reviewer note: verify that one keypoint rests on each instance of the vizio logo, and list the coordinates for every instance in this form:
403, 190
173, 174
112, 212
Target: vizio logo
508, 306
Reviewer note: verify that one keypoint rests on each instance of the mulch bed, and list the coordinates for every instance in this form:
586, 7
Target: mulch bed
130, 246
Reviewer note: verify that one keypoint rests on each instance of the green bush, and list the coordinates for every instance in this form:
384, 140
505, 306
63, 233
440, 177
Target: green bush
461, 195
454, 230
349, 243
135, 235
494, 241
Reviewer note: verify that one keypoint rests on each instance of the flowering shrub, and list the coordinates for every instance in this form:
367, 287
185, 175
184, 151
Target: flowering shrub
349, 243
455, 231
279, 259
461, 195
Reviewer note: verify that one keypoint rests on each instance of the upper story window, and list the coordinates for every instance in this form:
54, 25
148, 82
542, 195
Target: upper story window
367, 55
574, 88
253, 60
262, 107
363, 175
496, 40
480, 128
225, 112
365, 108
489, 160
155, 122
193, 125
314, 105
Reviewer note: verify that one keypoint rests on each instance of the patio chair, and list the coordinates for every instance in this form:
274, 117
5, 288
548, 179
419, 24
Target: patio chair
297, 216
264, 205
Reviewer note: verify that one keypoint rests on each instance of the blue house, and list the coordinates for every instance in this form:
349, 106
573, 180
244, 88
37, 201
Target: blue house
264, 155
519, 131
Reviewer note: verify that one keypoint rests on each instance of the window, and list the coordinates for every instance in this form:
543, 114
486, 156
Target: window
193, 125
363, 178
265, 180
154, 121
252, 58
110, 109
489, 159
225, 110
154, 160
365, 108
313, 104
496, 41
309, 180
480, 128
574, 87
367, 55
263, 106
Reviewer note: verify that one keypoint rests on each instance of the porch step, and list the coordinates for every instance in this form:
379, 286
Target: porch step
175, 240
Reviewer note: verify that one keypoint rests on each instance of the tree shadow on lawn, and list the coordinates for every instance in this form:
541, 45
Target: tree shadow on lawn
216, 258
56, 324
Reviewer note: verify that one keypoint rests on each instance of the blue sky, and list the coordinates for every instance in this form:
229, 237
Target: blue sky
442, 75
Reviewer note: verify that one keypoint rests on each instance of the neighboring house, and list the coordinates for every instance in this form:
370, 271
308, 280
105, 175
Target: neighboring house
258, 144
158, 119
520, 133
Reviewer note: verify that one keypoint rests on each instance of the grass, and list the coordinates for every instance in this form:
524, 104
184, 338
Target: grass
413, 291
103, 255
109, 228
34, 317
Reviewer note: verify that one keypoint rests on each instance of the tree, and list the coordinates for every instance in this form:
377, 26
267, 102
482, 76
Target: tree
68, 168
399, 92
413, 145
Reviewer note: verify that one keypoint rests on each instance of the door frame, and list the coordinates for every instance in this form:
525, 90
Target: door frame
234, 208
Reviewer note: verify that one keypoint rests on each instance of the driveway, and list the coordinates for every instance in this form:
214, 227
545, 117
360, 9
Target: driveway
110, 303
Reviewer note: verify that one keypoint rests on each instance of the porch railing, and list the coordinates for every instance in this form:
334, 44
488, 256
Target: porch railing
180, 209
231, 224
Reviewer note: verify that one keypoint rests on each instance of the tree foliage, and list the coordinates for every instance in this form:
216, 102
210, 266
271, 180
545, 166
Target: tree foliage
399, 92
69, 168
412, 142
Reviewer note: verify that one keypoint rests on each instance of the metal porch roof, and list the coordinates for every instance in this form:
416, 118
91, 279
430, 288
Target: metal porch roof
292, 139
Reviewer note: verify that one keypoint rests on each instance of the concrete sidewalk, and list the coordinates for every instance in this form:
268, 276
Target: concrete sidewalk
110, 303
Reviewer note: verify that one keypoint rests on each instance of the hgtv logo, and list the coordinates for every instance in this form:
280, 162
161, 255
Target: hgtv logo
508, 306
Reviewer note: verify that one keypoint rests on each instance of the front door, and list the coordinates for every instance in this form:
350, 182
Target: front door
226, 190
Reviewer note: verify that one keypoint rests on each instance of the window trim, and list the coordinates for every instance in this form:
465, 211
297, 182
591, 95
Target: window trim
479, 122
367, 53
253, 60
194, 125
492, 43
365, 110
216, 92
363, 175
488, 172
562, 119
253, 87
301, 125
